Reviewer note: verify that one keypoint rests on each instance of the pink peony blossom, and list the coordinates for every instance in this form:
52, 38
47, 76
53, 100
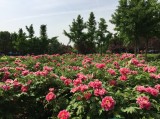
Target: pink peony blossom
143, 102
100, 65
87, 95
100, 92
112, 82
111, 71
24, 88
141, 89
64, 114
157, 87
134, 61
108, 103
50, 96
95, 84
123, 77
152, 91
124, 71
77, 81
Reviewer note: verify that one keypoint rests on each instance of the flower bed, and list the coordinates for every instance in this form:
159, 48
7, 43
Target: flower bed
79, 87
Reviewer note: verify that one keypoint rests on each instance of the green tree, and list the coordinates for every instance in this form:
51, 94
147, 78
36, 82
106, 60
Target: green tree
103, 36
91, 34
30, 31
5, 42
77, 34
54, 46
20, 44
43, 39
134, 19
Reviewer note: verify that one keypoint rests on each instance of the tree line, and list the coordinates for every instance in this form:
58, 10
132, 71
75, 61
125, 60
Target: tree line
22, 43
137, 23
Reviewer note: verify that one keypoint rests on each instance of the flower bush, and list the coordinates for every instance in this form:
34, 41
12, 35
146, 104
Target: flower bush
74, 86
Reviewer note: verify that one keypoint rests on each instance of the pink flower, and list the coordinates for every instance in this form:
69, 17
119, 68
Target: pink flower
95, 84
67, 82
87, 95
74, 89
134, 72
82, 88
77, 81
47, 68
82, 76
152, 91
111, 71
24, 88
152, 69
154, 76
157, 87
107, 103
64, 114
9, 81
141, 88
100, 92
24, 73
50, 96
100, 65
112, 82
123, 77
116, 65
16, 84
143, 102
63, 78
124, 71
134, 61
5, 87
51, 89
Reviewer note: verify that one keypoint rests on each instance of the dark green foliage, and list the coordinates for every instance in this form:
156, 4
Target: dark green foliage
86, 42
135, 19
103, 36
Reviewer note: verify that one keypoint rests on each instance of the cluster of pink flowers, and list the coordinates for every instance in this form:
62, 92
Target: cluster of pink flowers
50, 96
154, 76
99, 92
66, 80
150, 90
9, 83
25, 72
157, 87
124, 71
80, 88
116, 65
87, 60
134, 61
100, 65
143, 102
97, 86
46, 68
108, 103
37, 65
150, 69
126, 56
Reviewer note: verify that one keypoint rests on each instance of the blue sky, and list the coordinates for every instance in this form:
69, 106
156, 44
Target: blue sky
56, 14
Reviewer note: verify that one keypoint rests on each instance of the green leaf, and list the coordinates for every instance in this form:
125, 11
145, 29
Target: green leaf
130, 110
